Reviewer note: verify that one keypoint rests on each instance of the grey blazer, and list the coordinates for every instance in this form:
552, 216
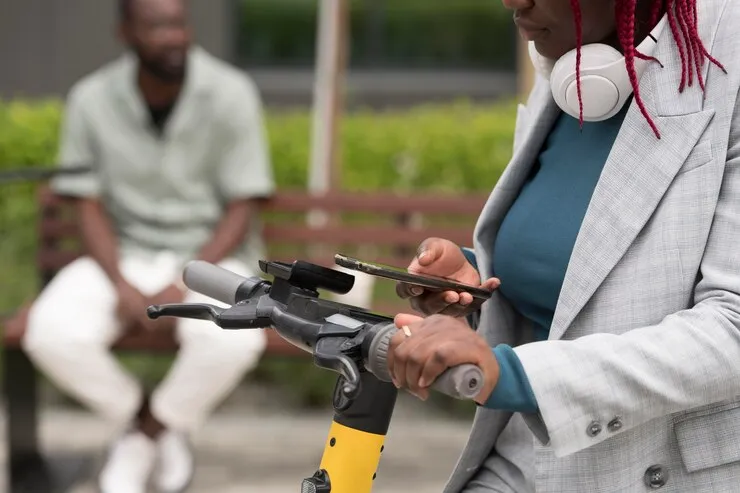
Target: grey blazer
639, 384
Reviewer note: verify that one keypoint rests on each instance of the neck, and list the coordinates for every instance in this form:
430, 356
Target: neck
643, 26
157, 92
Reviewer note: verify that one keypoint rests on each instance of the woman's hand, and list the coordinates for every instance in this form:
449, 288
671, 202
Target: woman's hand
437, 343
442, 258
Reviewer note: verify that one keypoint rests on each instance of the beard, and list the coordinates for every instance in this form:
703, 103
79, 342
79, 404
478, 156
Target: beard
160, 67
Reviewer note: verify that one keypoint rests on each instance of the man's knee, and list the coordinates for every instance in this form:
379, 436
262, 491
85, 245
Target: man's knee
49, 333
71, 311
228, 347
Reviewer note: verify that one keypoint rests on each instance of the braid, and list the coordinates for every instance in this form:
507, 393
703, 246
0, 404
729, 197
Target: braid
576, 6
691, 55
679, 42
684, 24
626, 32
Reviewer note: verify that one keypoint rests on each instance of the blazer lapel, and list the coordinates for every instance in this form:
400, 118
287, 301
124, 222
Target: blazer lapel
636, 175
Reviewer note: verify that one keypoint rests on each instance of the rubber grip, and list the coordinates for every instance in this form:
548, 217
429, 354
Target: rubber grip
461, 382
212, 281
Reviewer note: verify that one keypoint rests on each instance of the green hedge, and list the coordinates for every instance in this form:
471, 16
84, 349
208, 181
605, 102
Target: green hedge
454, 148
407, 33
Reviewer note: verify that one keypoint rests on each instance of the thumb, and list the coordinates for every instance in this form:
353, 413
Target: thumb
430, 250
406, 319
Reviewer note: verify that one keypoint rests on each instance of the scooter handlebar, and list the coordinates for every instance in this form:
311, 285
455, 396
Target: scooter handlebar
461, 382
216, 282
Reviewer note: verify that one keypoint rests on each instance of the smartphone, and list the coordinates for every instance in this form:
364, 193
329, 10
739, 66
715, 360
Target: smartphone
428, 282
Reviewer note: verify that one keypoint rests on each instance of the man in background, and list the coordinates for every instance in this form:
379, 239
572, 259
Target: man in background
180, 162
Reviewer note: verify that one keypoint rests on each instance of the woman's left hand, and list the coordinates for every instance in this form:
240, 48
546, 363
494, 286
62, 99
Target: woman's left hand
437, 343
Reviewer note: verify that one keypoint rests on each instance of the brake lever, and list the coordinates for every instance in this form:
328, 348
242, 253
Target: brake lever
251, 314
198, 311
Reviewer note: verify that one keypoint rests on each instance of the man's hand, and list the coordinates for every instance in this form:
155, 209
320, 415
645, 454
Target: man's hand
442, 258
131, 304
437, 343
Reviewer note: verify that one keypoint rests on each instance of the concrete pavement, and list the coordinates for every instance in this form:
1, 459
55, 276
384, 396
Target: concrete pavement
248, 449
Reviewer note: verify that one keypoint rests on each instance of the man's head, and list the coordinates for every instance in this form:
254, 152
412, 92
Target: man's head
158, 32
558, 26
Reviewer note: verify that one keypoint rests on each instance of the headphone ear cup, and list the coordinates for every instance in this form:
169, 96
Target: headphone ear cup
601, 87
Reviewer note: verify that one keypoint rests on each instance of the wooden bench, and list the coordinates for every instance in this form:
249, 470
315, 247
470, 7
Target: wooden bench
383, 228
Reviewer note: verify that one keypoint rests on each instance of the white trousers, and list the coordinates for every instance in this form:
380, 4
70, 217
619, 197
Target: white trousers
72, 325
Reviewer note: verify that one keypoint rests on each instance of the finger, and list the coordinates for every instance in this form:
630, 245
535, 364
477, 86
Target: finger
405, 290
401, 354
491, 284
406, 319
418, 358
465, 299
436, 302
437, 362
422, 394
393, 345
417, 304
457, 310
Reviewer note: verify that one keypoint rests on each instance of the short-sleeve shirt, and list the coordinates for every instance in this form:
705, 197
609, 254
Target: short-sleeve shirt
166, 191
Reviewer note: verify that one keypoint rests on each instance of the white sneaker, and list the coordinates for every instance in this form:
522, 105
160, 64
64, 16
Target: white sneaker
176, 463
129, 465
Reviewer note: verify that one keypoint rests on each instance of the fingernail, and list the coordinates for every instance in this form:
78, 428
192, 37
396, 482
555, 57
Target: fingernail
422, 383
396, 383
417, 291
422, 254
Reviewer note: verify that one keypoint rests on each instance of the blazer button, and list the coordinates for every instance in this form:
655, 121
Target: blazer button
593, 429
656, 477
614, 425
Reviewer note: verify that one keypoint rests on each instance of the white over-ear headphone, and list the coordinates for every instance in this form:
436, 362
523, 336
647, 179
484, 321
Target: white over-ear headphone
605, 83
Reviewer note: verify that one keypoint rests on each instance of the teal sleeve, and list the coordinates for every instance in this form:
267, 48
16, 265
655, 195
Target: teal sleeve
470, 256
513, 391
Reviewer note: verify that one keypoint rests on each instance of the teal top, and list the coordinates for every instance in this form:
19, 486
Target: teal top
536, 238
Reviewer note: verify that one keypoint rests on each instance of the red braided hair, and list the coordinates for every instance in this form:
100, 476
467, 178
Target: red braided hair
682, 19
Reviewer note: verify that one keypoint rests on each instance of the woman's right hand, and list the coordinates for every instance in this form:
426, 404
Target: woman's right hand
442, 258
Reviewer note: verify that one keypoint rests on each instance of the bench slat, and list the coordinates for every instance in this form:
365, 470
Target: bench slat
378, 203
365, 235
381, 203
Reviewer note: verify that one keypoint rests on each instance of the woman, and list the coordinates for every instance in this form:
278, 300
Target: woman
611, 348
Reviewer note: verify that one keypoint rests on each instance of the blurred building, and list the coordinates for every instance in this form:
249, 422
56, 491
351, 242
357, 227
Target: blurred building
401, 52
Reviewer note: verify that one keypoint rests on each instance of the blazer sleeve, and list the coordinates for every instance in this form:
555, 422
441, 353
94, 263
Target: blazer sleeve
690, 359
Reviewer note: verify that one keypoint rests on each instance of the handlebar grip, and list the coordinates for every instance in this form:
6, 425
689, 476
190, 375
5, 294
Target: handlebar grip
461, 382
212, 281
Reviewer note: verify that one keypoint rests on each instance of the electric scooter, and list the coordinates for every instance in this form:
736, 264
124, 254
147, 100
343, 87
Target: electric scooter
348, 340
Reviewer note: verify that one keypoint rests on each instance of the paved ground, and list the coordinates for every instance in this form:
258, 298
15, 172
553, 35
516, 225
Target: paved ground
244, 449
